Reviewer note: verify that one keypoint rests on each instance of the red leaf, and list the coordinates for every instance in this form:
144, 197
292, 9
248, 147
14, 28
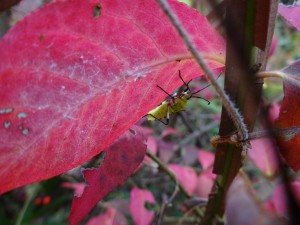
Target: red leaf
263, 155
78, 187
291, 14
186, 176
121, 160
205, 182
273, 46
274, 112
152, 144
73, 81
138, 199
206, 159
288, 117
152, 147
166, 150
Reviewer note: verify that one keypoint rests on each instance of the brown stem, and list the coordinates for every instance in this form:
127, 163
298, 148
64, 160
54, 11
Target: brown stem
287, 133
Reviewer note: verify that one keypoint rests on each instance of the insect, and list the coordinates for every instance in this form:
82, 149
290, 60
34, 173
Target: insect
174, 103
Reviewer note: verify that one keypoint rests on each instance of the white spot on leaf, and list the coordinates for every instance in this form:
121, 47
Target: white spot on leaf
22, 115
6, 110
25, 131
7, 124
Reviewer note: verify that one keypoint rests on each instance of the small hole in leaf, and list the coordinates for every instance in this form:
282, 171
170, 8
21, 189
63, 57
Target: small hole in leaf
149, 206
97, 10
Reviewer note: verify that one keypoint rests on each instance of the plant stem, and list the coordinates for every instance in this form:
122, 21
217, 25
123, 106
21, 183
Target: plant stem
164, 168
270, 74
173, 177
287, 133
242, 55
31, 191
227, 103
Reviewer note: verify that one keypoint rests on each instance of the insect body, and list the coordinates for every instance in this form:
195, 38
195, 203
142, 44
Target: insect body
169, 106
175, 103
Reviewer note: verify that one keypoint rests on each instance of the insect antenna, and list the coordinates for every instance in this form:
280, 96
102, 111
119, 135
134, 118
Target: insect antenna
165, 91
200, 90
193, 94
186, 84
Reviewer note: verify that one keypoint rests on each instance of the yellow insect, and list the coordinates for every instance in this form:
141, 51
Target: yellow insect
174, 103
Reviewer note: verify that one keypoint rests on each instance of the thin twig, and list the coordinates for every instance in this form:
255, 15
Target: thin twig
173, 177
287, 133
227, 103
164, 167
161, 211
170, 200
181, 221
167, 203
186, 122
193, 135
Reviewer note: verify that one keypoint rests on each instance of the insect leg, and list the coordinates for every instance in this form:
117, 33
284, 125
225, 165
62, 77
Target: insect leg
208, 102
168, 114
165, 123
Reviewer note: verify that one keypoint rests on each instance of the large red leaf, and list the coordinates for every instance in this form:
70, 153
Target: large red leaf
289, 115
76, 74
121, 160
